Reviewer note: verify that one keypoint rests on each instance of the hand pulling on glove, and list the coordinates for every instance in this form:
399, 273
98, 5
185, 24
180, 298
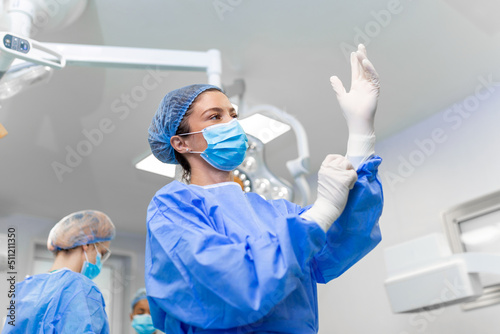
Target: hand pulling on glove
336, 177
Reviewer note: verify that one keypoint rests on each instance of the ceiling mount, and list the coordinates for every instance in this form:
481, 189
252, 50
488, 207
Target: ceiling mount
41, 58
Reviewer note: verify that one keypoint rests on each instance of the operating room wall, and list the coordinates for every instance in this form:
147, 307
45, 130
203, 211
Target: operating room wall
447, 159
31, 230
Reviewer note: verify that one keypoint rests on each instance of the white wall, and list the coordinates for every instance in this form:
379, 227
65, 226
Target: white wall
459, 162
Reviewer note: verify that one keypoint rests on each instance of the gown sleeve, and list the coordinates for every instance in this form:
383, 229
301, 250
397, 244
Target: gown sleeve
204, 278
356, 232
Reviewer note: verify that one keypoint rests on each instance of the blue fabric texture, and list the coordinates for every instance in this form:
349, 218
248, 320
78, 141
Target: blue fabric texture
167, 118
62, 302
219, 260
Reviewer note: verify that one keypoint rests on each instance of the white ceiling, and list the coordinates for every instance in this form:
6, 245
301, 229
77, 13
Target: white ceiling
429, 54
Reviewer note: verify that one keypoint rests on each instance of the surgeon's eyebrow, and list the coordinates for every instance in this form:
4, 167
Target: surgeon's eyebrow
219, 110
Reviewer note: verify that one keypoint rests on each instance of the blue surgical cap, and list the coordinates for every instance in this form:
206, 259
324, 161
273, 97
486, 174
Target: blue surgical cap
167, 118
80, 228
139, 295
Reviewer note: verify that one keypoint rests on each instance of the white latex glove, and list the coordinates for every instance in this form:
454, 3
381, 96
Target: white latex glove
359, 105
336, 177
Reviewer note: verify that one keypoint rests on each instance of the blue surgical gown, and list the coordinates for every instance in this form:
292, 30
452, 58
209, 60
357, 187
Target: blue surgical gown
219, 260
62, 302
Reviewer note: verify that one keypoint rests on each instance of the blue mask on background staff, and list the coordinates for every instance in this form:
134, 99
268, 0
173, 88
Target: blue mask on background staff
143, 324
227, 145
89, 269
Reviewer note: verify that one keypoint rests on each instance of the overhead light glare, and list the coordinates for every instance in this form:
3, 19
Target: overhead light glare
264, 128
153, 165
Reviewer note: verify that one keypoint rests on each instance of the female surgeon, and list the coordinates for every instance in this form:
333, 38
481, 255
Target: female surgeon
219, 260
65, 300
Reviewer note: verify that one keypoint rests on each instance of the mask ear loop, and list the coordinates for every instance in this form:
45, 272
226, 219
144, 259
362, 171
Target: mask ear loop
191, 133
97, 251
86, 258
188, 151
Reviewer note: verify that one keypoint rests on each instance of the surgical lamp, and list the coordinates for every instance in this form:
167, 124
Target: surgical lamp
37, 66
25, 62
13, 46
17, 44
298, 167
56, 55
22, 18
254, 176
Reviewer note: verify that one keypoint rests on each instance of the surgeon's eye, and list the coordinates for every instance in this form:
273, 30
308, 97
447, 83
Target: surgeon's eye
214, 117
235, 115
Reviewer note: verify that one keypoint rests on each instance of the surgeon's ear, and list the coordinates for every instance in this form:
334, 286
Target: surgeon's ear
85, 249
179, 144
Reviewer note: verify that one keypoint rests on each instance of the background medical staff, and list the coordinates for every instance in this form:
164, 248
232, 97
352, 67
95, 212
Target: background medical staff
140, 316
65, 300
219, 260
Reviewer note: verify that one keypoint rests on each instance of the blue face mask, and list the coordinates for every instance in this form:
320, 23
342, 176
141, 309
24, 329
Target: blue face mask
143, 324
227, 145
89, 269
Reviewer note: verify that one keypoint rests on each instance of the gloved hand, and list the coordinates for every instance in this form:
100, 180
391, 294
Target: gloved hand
359, 105
336, 177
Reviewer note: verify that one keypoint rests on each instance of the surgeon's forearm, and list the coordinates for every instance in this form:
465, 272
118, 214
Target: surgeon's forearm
356, 231
322, 213
360, 148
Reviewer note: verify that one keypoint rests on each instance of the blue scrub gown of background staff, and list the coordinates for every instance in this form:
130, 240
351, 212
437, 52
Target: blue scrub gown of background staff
62, 302
219, 260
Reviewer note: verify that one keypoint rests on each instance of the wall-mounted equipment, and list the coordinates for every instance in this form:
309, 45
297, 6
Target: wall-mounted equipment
474, 226
461, 267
